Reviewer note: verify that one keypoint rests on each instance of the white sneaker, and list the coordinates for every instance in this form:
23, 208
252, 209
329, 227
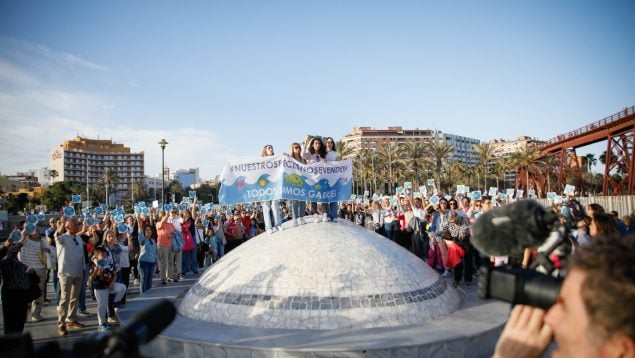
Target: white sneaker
302, 221
446, 273
317, 219
279, 228
325, 218
295, 222
269, 231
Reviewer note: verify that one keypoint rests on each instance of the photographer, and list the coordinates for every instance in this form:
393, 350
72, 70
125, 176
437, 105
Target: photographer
594, 314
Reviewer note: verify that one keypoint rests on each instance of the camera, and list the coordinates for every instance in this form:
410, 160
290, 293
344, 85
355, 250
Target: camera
511, 229
519, 286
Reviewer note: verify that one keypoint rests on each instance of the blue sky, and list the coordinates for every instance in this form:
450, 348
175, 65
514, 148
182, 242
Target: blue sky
220, 79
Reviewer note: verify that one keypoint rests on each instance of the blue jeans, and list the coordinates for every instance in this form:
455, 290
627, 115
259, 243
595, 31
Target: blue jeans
297, 209
267, 207
146, 270
189, 262
332, 213
389, 226
56, 286
221, 248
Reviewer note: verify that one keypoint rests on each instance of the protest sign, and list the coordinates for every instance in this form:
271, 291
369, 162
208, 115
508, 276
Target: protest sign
280, 177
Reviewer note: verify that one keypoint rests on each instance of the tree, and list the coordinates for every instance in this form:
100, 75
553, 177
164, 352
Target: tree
548, 163
16, 203
343, 149
456, 173
109, 179
361, 162
589, 160
524, 161
485, 153
59, 194
412, 153
389, 159
207, 193
139, 190
53, 174
440, 151
174, 190
501, 167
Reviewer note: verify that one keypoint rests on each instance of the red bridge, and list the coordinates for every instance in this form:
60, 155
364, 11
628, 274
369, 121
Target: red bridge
618, 131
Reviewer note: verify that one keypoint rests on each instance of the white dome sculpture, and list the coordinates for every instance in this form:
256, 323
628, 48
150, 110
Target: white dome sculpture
323, 276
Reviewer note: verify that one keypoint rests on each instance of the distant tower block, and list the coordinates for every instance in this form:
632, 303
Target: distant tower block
322, 276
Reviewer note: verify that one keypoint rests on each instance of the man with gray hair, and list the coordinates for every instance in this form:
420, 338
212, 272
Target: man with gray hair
70, 258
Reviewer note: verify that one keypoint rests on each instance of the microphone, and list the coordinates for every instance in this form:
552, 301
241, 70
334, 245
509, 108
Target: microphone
509, 229
143, 327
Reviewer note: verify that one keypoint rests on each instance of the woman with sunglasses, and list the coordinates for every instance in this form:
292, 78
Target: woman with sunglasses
314, 151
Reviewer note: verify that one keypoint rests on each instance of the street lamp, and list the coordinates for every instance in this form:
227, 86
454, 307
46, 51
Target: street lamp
163, 143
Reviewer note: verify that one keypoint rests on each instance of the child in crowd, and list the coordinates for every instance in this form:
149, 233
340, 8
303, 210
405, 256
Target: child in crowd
103, 278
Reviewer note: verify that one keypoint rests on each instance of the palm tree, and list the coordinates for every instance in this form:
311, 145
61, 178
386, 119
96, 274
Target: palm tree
485, 153
343, 149
439, 151
549, 162
387, 154
53, 174
590, 161
362, 163
501, 167
110, 179
456, 172
412, 153
524, 161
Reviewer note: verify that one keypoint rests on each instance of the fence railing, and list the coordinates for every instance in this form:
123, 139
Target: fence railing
624, 204
590, 127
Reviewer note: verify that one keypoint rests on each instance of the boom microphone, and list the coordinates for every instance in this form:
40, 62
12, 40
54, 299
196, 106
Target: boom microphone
143, 327
509, 229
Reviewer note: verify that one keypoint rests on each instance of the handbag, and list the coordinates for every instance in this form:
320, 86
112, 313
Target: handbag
177, 241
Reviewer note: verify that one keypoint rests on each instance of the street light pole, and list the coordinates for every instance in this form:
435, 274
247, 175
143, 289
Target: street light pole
163, 143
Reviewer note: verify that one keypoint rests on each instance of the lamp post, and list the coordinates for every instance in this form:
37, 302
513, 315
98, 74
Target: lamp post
163, 143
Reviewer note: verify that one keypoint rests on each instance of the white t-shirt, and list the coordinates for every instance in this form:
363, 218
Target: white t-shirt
177, 221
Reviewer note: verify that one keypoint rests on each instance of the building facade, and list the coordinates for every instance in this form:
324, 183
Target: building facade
502, 148
86, 160
369, 138
187, 177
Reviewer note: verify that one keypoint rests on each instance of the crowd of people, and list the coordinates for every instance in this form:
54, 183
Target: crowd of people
102, 260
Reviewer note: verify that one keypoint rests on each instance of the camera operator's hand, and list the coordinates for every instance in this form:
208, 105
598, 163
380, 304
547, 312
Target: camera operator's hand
525, 334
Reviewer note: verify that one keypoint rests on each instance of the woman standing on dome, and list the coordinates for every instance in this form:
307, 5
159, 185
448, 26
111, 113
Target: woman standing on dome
331, 155
314, 151
271, 205
298, 207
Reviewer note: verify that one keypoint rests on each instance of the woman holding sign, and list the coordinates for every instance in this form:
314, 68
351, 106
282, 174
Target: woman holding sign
314, 151
298, 207
331, 155
270, 205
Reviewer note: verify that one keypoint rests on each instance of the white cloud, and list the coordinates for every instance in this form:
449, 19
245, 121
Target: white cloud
38, 113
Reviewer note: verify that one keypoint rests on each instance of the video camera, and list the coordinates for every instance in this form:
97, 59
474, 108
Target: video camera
124, 342
509, 230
